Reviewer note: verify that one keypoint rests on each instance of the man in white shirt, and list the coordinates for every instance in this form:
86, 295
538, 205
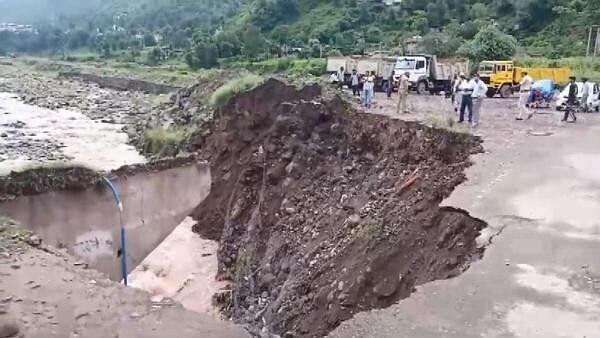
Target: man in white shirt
333, 78
368, 88
479, 92
354, 82
585, 91
466, 90
341, 77
456, 96
525, 88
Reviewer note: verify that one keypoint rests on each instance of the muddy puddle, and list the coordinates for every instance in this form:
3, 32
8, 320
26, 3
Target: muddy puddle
31, 135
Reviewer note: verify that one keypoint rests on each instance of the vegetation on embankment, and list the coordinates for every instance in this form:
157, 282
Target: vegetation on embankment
232, 88
284, 65
47, 177
160, 142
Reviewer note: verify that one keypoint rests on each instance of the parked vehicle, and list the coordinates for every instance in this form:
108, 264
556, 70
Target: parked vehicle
542, 93
503, 77
427, 73
593, 99
334, 63
380, 64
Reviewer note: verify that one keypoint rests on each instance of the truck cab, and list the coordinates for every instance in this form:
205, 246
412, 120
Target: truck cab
427, 73
502, 77
417, 68
498, 76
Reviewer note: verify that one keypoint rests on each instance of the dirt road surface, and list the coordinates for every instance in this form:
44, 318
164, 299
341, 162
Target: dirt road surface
45, 293
538, 187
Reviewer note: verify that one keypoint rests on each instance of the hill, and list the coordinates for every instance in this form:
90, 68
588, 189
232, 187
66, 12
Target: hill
217, 29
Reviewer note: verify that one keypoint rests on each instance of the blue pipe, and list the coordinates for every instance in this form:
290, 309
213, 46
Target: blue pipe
123, 241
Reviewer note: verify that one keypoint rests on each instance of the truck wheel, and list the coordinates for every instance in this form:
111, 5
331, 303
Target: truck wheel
505, 91
421, 87
490, 93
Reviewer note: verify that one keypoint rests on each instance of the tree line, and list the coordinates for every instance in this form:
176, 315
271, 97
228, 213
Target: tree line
213, 30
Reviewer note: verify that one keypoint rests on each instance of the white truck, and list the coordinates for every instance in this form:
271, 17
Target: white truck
427, 74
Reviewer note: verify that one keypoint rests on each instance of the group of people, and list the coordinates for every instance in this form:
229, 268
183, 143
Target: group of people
468, 94
572, 98
364, 84
364, 87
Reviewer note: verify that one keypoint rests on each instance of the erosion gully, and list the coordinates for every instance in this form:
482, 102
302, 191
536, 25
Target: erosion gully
304, 211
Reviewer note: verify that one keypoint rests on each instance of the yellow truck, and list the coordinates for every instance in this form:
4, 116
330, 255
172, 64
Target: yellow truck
503, 77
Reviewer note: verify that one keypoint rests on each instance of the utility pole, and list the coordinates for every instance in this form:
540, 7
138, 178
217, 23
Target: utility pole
587, 49
597, 41
593, 35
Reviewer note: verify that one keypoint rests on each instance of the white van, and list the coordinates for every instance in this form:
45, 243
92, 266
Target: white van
593, 99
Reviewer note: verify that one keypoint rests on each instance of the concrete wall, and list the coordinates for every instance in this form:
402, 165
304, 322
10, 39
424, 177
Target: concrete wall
87, 222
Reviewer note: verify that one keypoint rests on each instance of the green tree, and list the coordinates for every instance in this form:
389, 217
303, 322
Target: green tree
77, 38
204, 54
149, 40
374, 35
441, 44
491, 44
479, 11
437, 13
315, 48
254, 42
419, 22
228, 44
153, 56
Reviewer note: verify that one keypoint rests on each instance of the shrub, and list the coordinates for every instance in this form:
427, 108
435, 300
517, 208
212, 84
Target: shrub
163, 142
369, 232
233, 87
283, 64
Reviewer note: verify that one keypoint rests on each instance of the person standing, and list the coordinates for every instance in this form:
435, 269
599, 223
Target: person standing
479, 91
466, 90
390, 85
525, 88
456, 95
585, 94
333, 79
571, 100
341, 76
354, 83
368, 87
403, 94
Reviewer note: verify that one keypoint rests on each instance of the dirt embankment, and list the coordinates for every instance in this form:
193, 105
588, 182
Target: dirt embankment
120, 83
323, 212
40, 180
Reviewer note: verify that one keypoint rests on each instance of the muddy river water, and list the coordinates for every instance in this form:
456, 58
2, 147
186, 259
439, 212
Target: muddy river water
31, 135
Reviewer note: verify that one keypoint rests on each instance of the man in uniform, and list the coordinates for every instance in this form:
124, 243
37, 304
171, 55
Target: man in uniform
403, 93
525, 88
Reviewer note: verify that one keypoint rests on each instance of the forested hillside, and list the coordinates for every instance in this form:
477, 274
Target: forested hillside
212, 30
